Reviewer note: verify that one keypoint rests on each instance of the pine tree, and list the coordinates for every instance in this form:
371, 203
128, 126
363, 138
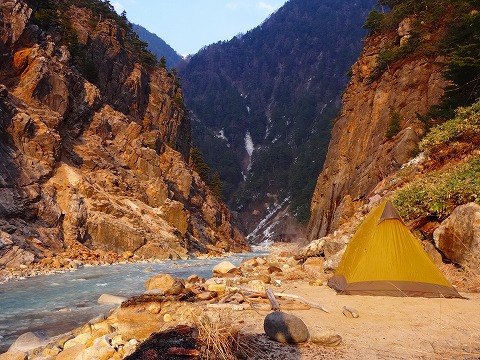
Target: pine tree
198, 164
216, 185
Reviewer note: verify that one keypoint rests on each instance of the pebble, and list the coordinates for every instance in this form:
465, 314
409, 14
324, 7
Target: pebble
350, 312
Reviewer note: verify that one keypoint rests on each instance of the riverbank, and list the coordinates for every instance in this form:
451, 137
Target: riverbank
387, 327
77, 256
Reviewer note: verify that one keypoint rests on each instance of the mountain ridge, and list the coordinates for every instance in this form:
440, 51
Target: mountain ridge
276, 87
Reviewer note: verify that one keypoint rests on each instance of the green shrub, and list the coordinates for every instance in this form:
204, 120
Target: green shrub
465, 126
394, 125
440, 192
374, 21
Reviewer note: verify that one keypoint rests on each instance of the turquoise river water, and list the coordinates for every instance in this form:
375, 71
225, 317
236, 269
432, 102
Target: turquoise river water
53, 304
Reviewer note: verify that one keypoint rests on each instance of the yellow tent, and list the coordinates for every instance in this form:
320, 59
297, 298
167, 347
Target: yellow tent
384, 258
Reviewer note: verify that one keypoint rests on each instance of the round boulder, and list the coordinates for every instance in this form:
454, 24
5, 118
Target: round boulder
162, 282
285, 328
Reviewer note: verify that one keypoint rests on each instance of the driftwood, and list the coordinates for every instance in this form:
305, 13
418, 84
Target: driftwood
273, 301
291, 296
253, 300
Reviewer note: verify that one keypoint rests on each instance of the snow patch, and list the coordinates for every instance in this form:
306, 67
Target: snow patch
249, 144
323, 108
221, 135
267, 232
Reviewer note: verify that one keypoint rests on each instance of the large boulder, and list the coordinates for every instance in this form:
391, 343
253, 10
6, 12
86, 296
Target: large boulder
163, 282
285, 328
458, 237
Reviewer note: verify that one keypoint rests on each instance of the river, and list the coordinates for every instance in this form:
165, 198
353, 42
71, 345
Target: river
54, 304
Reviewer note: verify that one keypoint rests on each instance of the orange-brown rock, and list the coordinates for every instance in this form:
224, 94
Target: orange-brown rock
360, 155
96, 160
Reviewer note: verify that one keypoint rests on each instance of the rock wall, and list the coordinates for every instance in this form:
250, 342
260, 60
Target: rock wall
359, 154
102, 162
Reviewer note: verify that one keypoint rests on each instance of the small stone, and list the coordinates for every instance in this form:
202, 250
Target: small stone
257, 285
326, 339
218, 288
261, 261
176, 288
265, 278
154, 308
316, 282
206, 295
194, 279
350, 312
285, 328
167, 318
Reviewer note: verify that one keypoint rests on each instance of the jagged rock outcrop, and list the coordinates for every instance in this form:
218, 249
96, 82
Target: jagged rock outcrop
359, 154
102, 162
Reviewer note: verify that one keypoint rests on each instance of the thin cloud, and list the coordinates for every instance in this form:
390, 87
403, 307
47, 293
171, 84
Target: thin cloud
231, 5
118, 7
267, 7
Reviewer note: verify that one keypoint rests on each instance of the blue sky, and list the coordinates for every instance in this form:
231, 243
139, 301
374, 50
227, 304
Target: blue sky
189, 25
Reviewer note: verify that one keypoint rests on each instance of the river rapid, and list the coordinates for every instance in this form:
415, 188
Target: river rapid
50, 305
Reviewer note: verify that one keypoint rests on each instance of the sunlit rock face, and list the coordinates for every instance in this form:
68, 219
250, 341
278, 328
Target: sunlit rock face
101, 161
360, 154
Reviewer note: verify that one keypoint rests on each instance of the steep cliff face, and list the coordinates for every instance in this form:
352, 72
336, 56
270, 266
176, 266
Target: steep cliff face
101, 162
360, 154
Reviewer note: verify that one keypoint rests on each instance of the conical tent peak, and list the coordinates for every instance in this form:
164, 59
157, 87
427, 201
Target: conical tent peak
389, 212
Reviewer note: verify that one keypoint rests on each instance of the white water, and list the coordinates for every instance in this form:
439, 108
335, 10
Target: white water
54, 304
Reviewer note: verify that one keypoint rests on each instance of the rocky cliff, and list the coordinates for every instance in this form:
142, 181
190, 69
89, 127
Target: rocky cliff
361, 153
99, 163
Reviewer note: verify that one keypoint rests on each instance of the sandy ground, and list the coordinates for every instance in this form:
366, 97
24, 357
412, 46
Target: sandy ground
387, 328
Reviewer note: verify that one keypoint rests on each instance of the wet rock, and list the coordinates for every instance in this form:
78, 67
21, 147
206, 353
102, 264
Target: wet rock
285, 328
